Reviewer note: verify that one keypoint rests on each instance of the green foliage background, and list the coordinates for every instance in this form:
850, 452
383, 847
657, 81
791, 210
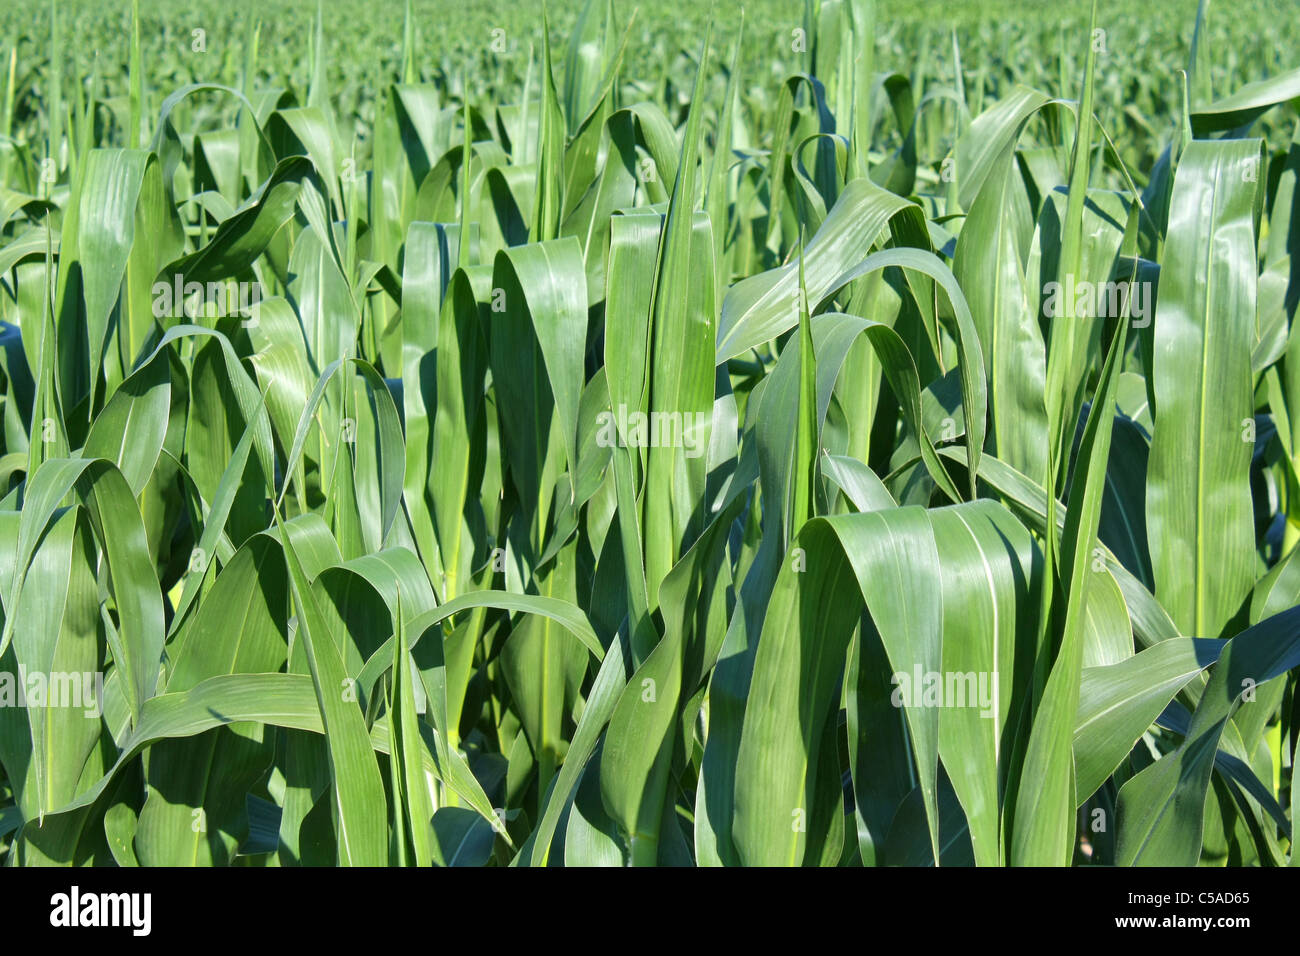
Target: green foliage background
364, 580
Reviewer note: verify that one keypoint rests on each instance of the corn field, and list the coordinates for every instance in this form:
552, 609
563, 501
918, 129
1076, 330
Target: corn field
828, 433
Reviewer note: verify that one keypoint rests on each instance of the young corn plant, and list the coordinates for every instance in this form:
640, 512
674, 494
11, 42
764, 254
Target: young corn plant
841, 437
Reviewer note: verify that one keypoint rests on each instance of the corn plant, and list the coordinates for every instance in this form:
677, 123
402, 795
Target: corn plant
818, 435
